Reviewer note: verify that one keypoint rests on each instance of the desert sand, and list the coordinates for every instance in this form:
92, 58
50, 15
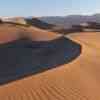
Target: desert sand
76, 80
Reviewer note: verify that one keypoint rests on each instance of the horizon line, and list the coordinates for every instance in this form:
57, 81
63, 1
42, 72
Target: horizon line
49, 15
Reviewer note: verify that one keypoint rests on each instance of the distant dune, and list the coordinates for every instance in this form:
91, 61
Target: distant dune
35, 22
70, 70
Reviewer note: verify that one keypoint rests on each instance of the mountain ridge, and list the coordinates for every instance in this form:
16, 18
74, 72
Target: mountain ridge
68, 21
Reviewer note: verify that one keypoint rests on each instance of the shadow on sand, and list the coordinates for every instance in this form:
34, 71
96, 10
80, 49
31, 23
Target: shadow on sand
24, 57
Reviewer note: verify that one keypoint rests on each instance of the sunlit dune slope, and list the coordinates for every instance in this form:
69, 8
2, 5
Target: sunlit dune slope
10, 32
4, 33
78, 80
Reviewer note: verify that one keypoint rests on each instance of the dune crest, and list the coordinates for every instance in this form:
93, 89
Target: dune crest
29, 57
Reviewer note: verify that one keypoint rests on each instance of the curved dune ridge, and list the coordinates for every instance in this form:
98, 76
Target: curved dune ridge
77, 80
25, 57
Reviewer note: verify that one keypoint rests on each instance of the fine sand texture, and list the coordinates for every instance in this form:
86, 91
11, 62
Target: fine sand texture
68, 68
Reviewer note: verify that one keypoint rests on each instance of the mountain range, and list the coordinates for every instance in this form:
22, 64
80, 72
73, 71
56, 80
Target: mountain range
68, 21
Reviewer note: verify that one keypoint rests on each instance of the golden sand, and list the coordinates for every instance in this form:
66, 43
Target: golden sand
78, 80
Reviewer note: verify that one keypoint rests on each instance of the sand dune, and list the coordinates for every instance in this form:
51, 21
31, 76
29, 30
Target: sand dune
77, 80
25, 57
10, 32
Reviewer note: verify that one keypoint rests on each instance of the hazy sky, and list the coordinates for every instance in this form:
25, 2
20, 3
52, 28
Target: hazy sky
48, 7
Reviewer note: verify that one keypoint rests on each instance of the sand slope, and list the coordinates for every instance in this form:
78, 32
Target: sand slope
10, 32
78, 80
